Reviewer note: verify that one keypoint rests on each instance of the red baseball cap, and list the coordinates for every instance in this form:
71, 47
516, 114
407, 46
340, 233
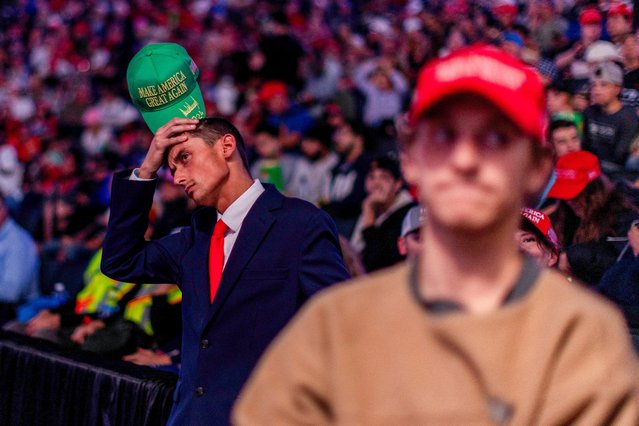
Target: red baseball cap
573, 172
589, 16
270, 89
619, 8
541, 221
497, 76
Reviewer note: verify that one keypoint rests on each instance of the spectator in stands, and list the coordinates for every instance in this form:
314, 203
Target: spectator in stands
19, 265
346, 188
409, 242
311, 176
630, 57
537, 238
273, 165
561, 106
383, 210
292, 120
618, 21
384, 88
573, 59
564, 137
589, 212
609, 126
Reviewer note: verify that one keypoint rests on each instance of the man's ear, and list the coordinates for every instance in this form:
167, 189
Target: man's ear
401, 246
229, 145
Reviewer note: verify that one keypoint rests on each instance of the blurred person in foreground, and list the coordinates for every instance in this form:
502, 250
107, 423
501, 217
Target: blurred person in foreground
434, 339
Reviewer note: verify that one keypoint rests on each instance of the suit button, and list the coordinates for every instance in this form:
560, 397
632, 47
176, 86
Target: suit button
199, 391
204, 344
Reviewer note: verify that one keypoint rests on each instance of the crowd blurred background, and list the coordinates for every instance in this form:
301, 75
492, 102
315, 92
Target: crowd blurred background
318, 89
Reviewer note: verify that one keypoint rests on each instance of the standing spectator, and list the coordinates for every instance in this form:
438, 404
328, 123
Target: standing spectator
272, 166
630, 57
19, 265
453, 317
383, 210
609, 126
346, 190
384, 89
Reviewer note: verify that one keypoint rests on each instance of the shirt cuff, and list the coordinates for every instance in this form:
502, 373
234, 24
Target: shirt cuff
135, 175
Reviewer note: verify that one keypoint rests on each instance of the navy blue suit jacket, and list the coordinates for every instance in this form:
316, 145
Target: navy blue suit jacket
286, 251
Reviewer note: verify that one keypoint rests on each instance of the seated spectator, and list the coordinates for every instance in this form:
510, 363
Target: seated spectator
609, 126
537, 238
561, 106
409, 242
620, 283
291, 119
564, 137
383, 210
19, 265
110, 317
346, 192
589, 211
273, 165
313, 170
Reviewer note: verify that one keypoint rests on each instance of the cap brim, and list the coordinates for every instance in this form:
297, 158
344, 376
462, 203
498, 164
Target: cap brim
563, 190
192, 106
519, 110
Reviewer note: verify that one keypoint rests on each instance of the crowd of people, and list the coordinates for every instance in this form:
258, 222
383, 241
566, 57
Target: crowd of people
319, 92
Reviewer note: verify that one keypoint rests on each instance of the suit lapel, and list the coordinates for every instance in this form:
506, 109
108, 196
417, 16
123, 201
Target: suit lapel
206, 219
254, 229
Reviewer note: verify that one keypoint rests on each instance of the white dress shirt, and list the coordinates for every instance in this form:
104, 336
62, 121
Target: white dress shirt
234, 214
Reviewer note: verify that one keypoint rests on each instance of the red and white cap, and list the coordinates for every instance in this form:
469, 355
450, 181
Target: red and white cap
497, 76
541, 221
573, 172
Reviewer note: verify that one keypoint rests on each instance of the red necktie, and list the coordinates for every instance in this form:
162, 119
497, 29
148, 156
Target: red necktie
216, 256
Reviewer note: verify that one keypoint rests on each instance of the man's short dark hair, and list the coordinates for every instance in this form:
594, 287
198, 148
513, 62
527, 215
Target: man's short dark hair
559, 124
210, 129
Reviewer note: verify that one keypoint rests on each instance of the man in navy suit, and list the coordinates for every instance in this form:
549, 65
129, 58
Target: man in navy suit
277, 252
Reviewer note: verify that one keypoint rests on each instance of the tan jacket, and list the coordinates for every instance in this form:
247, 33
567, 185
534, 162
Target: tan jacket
369, 354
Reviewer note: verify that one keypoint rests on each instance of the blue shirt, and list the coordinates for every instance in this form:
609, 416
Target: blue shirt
19, 264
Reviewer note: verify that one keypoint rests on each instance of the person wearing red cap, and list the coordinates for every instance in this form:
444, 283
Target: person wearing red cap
573, 59
470, 332
589, 211
618, 21
537, 238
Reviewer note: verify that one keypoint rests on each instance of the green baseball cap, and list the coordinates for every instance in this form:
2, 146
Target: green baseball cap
162, 81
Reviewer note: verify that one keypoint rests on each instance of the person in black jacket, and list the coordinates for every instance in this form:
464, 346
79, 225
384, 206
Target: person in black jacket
383, 210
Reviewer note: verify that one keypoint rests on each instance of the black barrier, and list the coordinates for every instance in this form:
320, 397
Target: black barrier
44, 384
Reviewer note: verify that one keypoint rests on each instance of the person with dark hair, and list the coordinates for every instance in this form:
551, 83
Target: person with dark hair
537, 238
248, 261
383, 210
273, 165
345, 190
590, 211
609, 126
564, 137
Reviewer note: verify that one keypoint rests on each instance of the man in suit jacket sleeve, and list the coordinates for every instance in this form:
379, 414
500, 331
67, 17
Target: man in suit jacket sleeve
278, 252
